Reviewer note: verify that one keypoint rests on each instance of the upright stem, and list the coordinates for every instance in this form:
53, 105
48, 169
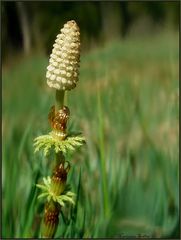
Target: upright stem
51, 219
59, 158
103, 162
59, 97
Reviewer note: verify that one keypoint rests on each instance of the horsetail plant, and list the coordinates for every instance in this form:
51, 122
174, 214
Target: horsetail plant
62, 75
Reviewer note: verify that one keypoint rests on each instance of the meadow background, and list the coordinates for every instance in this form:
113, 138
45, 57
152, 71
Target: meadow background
126, 105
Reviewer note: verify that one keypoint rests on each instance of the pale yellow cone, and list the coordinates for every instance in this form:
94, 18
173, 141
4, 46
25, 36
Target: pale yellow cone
62, 72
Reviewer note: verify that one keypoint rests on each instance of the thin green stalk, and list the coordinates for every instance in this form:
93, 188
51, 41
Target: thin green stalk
49, 231
103, 163
59, 97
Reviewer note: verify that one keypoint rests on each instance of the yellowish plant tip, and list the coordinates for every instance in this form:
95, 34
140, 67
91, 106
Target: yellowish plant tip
62, 71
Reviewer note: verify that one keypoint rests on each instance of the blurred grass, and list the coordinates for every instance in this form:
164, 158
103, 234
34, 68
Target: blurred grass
126, 177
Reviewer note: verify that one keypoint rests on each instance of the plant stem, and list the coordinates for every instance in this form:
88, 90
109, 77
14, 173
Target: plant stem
59, 158
103, 163
50, 221
59, 97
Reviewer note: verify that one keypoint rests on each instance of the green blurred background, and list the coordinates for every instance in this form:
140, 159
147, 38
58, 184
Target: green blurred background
126, 105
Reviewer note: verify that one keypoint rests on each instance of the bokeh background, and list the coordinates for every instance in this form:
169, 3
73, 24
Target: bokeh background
126, 105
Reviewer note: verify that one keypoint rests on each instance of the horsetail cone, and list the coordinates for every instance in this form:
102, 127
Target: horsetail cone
62, 72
